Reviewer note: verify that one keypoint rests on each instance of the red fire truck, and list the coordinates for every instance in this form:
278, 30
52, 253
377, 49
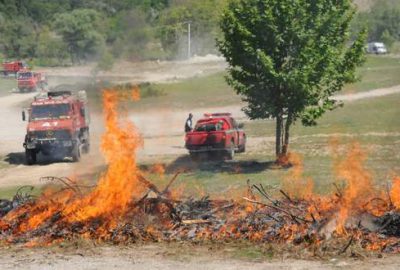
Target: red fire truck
12, 67
30, 81
58, 126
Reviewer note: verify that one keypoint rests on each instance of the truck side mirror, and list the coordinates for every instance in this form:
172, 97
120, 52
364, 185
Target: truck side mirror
241, 125
23, 116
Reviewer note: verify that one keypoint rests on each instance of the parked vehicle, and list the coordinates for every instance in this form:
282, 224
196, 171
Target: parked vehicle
377, 48
58, 125
12, 67
217, 135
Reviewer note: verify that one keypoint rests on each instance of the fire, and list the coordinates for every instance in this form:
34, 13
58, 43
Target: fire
395, 192
158, 169
120, 183
358, 181
125, 206
295, 183
116, 188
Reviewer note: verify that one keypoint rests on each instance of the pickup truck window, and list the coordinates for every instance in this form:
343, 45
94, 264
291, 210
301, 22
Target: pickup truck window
208, 127
213, 125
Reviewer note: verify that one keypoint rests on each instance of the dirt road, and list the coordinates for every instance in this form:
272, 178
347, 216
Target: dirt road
152, 71
166, 258
369, 94
13, 129
162, 132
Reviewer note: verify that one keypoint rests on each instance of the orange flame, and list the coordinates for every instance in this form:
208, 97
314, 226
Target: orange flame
358, 184
158, 169
116, 188
395, 192
295, 183
120, 183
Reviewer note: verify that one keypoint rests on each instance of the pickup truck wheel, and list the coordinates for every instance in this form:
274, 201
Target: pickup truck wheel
30, 156
194, 156
242, 148
76, 153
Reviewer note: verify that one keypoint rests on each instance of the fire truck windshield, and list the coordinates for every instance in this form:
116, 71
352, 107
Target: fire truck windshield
50, 111
24, 75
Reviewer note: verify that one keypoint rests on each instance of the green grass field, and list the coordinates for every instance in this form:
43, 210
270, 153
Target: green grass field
6, 85
213, 91
374, 123
377, 72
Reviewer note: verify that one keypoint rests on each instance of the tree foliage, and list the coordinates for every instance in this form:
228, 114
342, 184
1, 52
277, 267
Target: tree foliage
80, 32
288, 57
85, 29
382, 21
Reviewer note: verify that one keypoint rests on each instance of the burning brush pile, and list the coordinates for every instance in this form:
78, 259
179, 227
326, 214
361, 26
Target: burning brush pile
125, 207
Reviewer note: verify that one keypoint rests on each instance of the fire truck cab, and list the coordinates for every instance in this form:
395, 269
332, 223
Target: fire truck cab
29, 81
58, 126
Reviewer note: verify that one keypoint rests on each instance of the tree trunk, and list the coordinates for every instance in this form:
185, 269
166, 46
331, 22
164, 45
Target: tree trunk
282, 136
286, 137
278, 136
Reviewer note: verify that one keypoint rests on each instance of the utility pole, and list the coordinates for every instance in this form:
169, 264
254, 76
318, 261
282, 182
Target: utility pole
189, 41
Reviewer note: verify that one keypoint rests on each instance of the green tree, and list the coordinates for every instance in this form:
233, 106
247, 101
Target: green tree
18, 38
134, 36
388, 39
51, 50
384, 16
106, 61
173, 27
288, 57
80, 30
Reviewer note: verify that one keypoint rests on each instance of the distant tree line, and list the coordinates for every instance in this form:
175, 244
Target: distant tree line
382, 21
64, 32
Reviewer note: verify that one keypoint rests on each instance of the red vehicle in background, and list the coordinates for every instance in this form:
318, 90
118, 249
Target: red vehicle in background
12, 67
29, 81
216, 134
58, 126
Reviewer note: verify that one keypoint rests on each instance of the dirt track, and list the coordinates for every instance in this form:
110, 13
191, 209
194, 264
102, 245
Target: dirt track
12, 152
162, 132
166, 258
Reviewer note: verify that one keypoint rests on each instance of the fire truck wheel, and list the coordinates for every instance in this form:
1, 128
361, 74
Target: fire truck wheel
76, 153
86, 148
30, 156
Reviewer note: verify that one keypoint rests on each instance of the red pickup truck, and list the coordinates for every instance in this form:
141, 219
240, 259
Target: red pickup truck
217, 134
